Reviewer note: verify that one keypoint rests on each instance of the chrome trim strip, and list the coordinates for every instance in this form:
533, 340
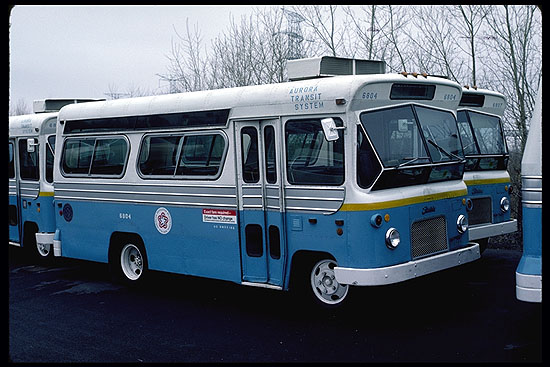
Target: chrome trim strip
263, 285
158, 202
478, 231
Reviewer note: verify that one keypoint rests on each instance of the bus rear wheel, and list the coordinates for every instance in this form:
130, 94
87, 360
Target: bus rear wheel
132, 262
324, 285
129, 262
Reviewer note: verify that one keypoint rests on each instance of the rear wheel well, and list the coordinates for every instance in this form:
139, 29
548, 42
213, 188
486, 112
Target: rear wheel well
29, 231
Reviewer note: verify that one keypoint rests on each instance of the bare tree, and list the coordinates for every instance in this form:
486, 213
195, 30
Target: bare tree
515, 62
187, 69
132, 91
251, 51
20, 108
436, 43
367, 23
321, 20
473, 20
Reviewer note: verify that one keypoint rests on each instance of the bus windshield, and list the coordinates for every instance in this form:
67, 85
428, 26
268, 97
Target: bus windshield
416, 136
398, 141
487, 132
484, 144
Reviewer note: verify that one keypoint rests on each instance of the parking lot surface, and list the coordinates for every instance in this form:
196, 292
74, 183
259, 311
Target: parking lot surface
71, 311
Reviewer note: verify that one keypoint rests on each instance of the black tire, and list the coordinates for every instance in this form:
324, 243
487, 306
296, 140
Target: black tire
482, 244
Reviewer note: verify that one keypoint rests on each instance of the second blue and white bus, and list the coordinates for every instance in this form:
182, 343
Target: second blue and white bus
30, 175
479, 117
322, 183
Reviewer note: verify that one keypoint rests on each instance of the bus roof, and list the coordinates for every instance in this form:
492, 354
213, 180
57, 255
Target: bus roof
33, 124
289, 98
483, 100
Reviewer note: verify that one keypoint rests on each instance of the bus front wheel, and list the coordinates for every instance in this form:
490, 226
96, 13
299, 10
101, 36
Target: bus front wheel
324, 285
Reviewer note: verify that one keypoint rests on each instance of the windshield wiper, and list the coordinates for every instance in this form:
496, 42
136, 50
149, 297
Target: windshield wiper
410, 161
450, 155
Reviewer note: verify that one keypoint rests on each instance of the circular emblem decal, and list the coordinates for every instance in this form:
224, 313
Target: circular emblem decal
163, 220
68, 212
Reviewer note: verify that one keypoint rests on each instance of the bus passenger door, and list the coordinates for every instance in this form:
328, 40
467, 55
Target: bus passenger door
261, 223
14, 202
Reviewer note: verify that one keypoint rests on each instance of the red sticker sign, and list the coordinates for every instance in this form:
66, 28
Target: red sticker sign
223, 216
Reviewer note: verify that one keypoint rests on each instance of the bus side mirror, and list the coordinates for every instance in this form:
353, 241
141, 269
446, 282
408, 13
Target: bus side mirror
31, 143
329, 129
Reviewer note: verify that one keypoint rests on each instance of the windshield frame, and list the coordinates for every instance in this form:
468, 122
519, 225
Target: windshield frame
421, 168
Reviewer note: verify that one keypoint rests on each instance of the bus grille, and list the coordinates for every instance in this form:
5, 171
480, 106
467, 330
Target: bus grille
428, 236
481, 212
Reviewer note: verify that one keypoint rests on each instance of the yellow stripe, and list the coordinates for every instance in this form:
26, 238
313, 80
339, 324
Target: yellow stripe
487, 181
44, 193
403, 202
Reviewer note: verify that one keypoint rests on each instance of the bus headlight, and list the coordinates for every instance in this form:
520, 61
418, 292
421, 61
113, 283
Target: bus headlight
504, 204
462, 223
392, 238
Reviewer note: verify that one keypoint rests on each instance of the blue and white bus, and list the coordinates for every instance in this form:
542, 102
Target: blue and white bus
479, 119
529, 270
318, 183
30, 170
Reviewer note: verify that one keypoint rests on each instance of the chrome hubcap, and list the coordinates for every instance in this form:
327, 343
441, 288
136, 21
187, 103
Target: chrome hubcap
131, 262
324, 284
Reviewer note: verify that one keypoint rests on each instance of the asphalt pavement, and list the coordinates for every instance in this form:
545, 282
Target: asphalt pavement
71, 311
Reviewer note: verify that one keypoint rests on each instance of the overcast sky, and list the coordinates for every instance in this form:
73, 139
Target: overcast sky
83, 51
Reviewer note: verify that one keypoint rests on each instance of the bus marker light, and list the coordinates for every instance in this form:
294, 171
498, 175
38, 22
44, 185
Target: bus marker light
376, 220
469, 204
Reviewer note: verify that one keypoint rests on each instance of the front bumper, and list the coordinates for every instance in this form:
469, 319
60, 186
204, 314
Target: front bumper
49, 239
529, 287
409, 270
478, 231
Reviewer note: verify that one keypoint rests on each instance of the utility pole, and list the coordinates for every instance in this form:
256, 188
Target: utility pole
294, 34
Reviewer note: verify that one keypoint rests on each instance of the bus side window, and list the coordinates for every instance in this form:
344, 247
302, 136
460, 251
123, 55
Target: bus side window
201, 155
269, 149
28, 162
311, 159
249, 149
11, 164
109, 156
158, 155
368, 167
50, 149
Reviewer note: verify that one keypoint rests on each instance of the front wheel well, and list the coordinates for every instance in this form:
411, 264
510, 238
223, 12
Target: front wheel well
301, 263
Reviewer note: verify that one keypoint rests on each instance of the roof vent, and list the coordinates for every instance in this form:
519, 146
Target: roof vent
325, 66
55, 104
